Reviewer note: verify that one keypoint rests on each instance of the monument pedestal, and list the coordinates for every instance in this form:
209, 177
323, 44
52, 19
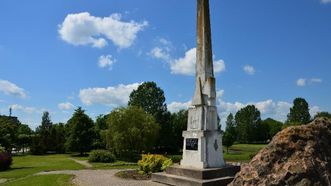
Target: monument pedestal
182, 176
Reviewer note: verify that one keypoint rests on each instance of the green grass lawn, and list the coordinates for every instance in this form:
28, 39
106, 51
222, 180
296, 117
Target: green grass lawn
242, 152
115, 165
24, 167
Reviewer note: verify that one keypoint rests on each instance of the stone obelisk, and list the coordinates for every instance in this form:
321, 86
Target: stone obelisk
202, 162
203, 140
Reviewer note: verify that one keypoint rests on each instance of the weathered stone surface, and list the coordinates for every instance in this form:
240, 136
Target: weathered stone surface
298, 155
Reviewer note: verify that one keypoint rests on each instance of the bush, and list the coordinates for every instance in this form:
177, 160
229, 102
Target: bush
101, 156
5, 161
153, 163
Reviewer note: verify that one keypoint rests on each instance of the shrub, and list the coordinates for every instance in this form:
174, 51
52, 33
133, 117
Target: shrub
153, 163
103, 156
2, 149
5, 161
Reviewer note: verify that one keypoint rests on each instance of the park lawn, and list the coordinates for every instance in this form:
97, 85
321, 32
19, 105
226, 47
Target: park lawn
24, 167
41, 180
242, 152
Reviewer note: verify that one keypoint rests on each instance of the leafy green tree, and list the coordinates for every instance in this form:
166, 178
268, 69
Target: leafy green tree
228, 140
101, 132
299, 113
273, 127
179, 124
248, 120
231, 124
229, 135
131, 130
24, 138
8, 132
80, 132
323, 114
43, 142
150, 97
58, 135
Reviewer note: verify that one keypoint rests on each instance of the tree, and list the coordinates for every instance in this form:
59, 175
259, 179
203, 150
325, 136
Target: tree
101, 132
58, 136
323, 114
228, 140
248, 119
80, 132
43, 142
8, 132
24, 138
179, 124
273, 127
150, 97
299, 113
131, 131
229, 135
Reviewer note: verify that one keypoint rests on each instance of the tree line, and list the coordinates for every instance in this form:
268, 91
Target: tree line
144, 126
248, 127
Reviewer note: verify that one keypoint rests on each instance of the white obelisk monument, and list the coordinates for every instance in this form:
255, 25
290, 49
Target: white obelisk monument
203, 139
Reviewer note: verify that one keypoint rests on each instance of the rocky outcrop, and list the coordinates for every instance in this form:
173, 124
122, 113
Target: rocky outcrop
299, 155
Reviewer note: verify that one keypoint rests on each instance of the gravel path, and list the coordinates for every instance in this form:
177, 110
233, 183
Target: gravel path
85, 163
100, 178
2, 180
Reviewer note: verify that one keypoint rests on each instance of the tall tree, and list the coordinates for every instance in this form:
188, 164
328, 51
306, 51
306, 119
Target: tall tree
81, 132
273, 127
248, 119
179, 124
8, 132
299, 113
150, 97
45, 141
131, 131
229, 135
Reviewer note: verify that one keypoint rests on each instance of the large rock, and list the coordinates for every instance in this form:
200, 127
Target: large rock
299, 155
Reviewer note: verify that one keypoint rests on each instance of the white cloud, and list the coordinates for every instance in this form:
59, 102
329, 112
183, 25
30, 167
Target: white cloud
325, 1
220, 94
112, 96
10, 88
65, 106
250, 70
186, 64
314, 110
301, 82
177, 106
160, 53
316, 80
85, 29
25, 109
106, 61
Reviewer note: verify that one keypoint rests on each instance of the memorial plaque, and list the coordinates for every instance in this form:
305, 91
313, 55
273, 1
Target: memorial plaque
192, 144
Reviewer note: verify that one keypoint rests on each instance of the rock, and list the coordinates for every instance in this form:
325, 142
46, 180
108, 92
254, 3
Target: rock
299, 155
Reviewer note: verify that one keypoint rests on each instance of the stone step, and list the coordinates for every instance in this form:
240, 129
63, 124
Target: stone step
175, 180
210, 173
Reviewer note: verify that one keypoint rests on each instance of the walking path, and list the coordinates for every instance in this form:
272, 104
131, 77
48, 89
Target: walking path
2, 180
100, 178
85, 163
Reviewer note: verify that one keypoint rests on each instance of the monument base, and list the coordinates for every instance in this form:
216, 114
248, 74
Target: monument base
183, 176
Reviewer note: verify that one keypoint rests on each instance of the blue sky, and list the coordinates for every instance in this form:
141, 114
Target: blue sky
57, 55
